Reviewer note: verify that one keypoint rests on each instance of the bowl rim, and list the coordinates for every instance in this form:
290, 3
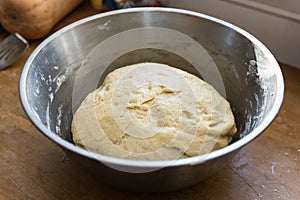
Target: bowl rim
143, 163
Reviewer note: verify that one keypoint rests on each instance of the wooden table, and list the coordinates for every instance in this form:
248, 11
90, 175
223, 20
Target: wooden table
32, 167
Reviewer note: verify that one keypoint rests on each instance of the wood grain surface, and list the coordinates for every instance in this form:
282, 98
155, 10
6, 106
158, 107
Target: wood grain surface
32, 167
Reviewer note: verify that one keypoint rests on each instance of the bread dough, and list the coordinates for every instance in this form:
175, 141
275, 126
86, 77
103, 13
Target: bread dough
152, 111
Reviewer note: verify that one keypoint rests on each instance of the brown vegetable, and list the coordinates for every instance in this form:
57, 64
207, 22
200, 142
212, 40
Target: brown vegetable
34, 19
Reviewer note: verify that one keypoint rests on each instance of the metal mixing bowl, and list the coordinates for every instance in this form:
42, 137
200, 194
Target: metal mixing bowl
63, 69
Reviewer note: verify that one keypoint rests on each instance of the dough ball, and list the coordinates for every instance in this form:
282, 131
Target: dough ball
152, 111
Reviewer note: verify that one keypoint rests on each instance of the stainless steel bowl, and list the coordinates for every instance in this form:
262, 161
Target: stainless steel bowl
69, 64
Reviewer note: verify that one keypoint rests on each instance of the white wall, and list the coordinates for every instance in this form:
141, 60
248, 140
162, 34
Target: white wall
288, 5
276, 24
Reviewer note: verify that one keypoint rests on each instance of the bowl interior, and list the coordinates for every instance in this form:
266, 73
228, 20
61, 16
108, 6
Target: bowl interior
73, 62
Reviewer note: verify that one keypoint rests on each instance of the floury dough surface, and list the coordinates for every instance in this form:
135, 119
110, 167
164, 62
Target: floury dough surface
151, 111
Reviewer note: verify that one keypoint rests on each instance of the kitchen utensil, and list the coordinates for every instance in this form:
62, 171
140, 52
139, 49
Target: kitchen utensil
72, 62
11, 48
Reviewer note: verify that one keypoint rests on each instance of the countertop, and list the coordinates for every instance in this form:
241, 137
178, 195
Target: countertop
33, 167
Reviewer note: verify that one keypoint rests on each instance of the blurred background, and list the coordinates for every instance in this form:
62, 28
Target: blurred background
275, 22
